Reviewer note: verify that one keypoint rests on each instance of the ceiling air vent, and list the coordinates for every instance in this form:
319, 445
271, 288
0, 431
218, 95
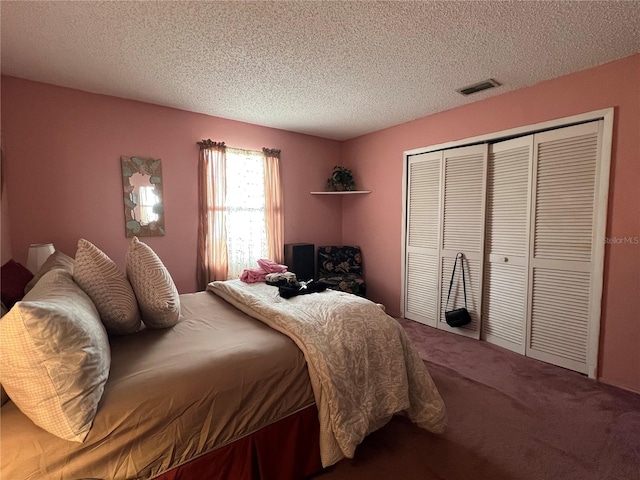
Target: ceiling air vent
478, 87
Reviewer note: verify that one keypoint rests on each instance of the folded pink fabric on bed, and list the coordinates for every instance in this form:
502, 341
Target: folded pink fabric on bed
269, 266
253, 275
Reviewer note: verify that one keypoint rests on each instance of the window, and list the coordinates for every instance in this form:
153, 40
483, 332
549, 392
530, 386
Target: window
245, 210
240, 210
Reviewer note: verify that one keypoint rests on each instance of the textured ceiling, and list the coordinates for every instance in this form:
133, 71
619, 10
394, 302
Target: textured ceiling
331, 69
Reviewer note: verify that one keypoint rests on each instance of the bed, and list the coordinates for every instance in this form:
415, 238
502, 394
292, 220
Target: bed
234, 390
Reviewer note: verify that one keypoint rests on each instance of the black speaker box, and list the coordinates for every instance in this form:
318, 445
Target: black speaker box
300, 259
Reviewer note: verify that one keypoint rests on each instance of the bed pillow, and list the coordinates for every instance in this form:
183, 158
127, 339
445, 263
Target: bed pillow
56, 260
14, 278
55, 356
154, 288
108, 287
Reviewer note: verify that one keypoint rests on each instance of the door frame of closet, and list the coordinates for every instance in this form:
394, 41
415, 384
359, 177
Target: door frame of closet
607, 115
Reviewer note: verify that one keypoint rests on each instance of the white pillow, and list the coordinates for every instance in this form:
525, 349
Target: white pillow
108, 287
154, 288
55, 356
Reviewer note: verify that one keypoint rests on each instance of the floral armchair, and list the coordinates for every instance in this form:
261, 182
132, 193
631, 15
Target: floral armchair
341, 269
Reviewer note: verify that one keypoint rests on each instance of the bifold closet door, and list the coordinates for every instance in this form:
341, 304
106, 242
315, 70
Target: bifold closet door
463, 226
422, 238
563, 272
504, 306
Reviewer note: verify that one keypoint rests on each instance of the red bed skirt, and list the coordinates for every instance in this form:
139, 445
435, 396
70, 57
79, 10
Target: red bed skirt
286, 450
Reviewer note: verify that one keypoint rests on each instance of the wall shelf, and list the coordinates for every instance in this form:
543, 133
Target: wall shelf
350, 192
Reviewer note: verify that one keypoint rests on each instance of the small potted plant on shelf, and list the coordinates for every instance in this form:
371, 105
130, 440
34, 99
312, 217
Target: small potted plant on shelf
341, 179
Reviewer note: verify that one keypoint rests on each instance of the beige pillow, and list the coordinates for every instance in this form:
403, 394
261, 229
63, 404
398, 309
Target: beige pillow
108, 287
55, 356
156, 293
56, 260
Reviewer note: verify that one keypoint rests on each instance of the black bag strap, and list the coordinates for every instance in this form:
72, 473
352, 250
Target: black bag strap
464, 283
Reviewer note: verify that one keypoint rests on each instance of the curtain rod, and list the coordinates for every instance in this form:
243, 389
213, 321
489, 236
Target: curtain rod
209, 144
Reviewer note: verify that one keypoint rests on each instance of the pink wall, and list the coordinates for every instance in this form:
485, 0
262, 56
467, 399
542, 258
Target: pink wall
62, 166
5, 230
375, 220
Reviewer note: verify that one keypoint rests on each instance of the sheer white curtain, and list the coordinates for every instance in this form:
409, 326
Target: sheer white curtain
246, 212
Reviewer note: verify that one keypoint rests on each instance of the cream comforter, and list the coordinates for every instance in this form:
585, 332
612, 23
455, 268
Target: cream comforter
362, 366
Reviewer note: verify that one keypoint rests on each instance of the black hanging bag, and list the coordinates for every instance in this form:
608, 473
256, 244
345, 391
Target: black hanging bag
460, 316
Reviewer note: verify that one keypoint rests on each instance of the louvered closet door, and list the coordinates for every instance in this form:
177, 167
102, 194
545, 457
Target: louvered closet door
423, 230
504, 306
563, 250
463, 200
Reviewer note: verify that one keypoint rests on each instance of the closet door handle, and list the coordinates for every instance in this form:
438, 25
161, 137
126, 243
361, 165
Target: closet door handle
505, 259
